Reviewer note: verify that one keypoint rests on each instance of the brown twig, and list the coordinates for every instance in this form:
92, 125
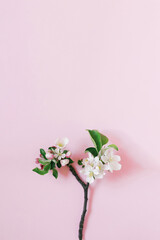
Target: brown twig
85, 187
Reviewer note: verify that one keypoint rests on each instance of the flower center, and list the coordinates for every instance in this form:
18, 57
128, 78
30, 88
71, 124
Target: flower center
91, 174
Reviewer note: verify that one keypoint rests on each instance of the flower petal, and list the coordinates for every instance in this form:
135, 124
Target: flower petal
56, 150
64, 162
49, 155
116, 158
62, 142
100, 176
68, 154
90, 179
105, 159
108, 167
109, 152
114, 165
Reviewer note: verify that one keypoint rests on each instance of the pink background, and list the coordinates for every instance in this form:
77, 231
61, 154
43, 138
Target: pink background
67, 66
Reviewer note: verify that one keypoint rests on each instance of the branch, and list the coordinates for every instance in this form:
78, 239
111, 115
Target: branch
85, 187
73, 171
84, 212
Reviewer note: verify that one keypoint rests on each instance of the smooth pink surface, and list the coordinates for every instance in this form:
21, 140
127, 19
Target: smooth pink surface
67, 66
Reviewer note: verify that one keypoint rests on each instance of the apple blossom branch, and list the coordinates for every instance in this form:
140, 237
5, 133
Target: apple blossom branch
101, 158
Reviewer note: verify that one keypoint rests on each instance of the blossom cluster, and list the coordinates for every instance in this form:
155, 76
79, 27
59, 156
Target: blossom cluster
56, 153
94, 167
100, 158
55, 156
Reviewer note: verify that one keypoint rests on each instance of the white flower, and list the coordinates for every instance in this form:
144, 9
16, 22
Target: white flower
88, 171
111, 161
64, 162
93, 168
62, 142
85, 161
88, 160
99, 170
58, 153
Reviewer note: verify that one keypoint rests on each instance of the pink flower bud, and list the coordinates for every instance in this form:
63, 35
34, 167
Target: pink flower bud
37, 161
49, 155
68, 154
64, 162
41, 166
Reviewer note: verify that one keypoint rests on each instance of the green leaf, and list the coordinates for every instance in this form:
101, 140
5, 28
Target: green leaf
52, 148
44, 162
43, 153
96, 139
92, 150
113, 146
39, 171
44, 170
55, 173
80, 162
53, 164
104, 139
65, 151
59, 164
47, 167
70, 161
